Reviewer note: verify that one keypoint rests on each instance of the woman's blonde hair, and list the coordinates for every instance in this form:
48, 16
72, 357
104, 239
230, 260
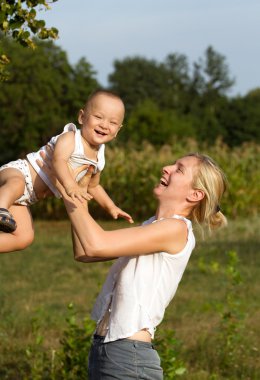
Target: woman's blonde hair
212, 181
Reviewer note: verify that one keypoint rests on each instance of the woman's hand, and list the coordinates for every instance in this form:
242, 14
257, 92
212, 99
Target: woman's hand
77, 192
46, 166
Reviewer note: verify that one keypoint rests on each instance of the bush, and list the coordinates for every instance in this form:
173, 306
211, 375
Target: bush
131, 173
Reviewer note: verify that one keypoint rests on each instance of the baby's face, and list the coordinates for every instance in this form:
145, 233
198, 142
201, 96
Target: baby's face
102, 119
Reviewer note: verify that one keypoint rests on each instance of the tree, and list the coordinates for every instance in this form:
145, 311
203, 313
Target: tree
182, 99
18, 21
211, 74
240, 118
175, 89
148, 122
209, 84
137, 79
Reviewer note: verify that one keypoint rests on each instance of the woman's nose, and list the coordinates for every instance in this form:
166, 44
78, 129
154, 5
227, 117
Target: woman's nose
167, 169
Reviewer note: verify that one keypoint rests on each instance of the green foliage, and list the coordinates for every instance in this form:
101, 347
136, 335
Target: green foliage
212, 74
169, 83
4, 74
147, 122
75, 346
188, 103
169, 348
240, 119
131, 173
18, 20
38, 367
25, 109
229, 341
139, 170
38, 284
67, 362
231, 328
177, 77
137, 79
164, 100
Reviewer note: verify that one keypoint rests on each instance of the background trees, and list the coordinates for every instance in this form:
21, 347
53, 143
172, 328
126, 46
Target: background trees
171, 105
165, 101
175, 99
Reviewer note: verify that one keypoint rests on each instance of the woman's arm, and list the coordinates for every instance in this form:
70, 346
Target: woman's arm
79, 254
168, 235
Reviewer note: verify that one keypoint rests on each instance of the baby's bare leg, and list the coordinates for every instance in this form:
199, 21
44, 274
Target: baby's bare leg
23, 236
12, 185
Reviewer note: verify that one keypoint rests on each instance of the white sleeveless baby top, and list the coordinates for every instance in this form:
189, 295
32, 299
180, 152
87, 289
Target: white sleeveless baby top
77, 158
139, 288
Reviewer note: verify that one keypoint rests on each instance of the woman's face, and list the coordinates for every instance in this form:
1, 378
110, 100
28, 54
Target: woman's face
176, 180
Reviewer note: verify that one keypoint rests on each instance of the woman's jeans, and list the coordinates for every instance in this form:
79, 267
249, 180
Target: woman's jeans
123, 359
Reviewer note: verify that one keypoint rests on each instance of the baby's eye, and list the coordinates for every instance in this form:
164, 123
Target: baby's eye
97, 116
113, 123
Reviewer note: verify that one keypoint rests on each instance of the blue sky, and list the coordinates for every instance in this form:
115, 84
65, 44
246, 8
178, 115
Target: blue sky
105, 30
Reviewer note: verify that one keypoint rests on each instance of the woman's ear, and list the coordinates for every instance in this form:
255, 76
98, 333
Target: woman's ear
195, 195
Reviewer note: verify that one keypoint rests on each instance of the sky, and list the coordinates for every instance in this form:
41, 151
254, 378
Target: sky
106, 30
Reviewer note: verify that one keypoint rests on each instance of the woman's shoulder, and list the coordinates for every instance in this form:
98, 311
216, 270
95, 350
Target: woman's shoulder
174, 224
175, 221
175, 232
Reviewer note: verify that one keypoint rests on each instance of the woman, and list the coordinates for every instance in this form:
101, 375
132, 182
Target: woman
151, 262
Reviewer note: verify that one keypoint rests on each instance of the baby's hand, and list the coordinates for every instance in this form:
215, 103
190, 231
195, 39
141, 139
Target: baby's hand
117, 212
76, 192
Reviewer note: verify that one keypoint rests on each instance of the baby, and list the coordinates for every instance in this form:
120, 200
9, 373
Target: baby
23, 183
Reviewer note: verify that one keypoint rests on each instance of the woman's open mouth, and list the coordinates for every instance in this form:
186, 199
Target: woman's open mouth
163, 182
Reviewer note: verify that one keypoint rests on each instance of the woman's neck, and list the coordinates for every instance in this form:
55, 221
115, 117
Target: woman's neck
166, 212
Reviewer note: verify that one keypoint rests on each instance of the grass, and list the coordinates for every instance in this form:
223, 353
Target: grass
38, 284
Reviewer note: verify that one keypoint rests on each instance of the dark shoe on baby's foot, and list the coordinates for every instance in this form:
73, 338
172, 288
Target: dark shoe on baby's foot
7, 223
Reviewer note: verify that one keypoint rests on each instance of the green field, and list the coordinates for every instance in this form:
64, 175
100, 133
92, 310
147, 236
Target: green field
214, 316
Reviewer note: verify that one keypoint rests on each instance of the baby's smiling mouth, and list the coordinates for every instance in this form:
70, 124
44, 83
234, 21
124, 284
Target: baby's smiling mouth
100, 133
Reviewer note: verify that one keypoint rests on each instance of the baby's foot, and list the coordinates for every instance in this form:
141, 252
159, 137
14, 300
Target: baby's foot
7, 222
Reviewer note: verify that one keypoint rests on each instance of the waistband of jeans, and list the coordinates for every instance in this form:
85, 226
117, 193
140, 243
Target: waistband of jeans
129, 342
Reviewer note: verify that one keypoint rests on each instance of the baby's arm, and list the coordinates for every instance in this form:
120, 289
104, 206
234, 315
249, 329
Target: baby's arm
103, 199
62, 152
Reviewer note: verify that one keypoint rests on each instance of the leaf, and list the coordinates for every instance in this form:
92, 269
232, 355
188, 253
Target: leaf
32, 13
180, 371
5, 25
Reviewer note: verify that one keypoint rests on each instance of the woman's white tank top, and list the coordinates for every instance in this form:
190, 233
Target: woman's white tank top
139, 288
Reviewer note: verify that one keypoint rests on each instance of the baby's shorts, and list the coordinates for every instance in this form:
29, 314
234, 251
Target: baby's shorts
29, 197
